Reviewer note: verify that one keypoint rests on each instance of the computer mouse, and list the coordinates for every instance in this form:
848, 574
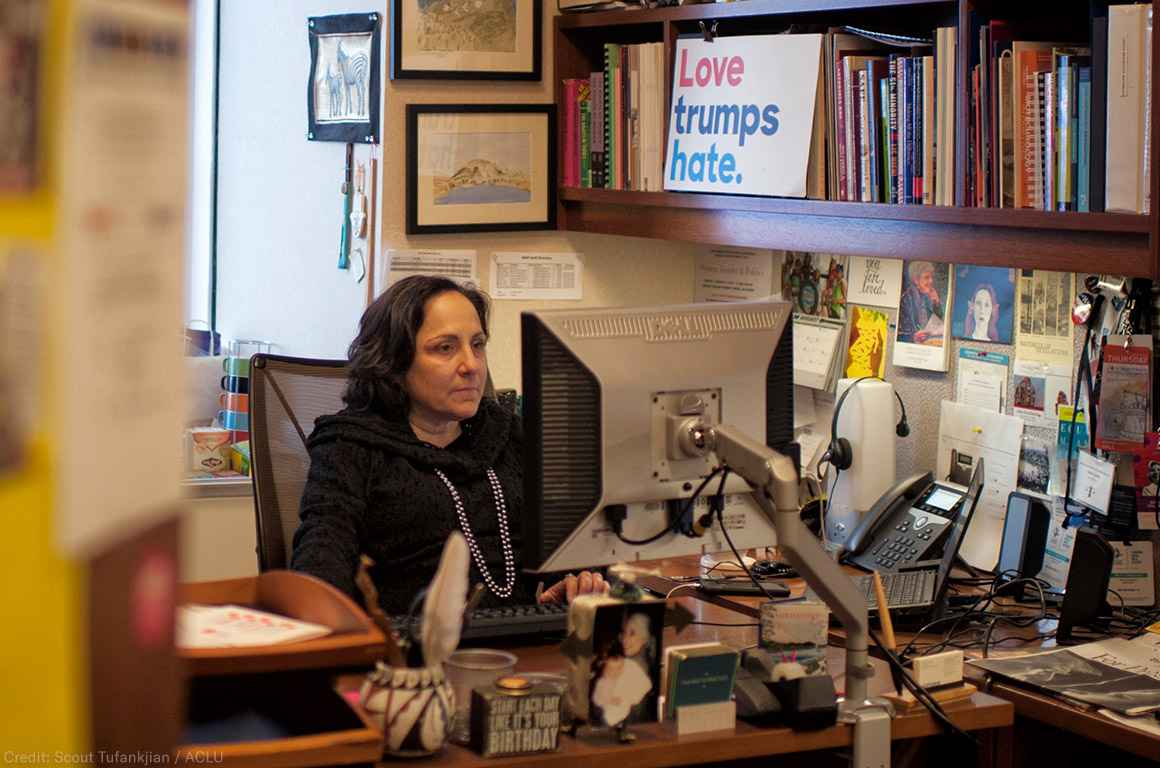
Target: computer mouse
754, 699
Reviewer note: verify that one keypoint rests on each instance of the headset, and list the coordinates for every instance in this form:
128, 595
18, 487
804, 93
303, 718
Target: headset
840, 454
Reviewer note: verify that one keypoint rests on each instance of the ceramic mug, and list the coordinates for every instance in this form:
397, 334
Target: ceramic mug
416, 705
236, 366
238, 384
232, 420
234, 401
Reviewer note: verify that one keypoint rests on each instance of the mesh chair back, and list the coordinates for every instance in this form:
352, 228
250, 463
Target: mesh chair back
286, 395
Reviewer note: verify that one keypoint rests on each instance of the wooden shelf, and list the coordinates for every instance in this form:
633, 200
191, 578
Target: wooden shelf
1077, 242
1080, 242
730, 11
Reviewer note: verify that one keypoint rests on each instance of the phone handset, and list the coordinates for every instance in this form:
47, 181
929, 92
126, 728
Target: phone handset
904, 491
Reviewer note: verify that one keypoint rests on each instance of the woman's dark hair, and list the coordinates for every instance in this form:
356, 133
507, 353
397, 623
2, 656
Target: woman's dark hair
381, 354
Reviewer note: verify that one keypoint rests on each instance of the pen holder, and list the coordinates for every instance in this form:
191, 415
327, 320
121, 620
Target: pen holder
415, 705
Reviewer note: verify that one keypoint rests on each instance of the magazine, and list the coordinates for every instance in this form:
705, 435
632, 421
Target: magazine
1116, 674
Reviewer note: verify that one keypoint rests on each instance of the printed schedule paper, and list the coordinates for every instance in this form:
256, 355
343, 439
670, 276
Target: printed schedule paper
543, 276
815, 347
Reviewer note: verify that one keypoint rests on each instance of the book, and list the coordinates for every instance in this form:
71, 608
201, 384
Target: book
611, 114
1129, 41
946, 89
597, 160
584, 100
571, 137
234, 626
1029, 59
701, 673
1099, 115
1083, 138
1006, 141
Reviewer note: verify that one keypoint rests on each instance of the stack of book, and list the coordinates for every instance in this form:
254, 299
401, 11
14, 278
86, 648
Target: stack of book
614, 121
1060, 126
890, 118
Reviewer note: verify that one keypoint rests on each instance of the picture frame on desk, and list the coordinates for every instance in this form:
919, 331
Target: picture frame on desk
480, 168
342, 94
480, 40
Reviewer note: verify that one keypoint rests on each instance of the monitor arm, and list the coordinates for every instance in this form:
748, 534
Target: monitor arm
775, 482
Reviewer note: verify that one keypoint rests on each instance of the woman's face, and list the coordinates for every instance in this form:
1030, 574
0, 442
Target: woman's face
982, 307
925, 282
445, 380
635, 636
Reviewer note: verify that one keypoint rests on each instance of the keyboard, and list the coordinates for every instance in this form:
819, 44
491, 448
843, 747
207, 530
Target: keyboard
904, 589
508, 621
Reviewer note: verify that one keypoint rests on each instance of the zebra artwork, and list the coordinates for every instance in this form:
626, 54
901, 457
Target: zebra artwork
353, 71
334, 88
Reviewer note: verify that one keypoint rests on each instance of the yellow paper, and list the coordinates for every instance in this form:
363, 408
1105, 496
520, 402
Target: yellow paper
866, 353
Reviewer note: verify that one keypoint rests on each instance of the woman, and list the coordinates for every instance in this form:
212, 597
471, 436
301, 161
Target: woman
920, 312
982, 321
418, 453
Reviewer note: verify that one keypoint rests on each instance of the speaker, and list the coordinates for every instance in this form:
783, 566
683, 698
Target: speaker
1085, 600
1024, 541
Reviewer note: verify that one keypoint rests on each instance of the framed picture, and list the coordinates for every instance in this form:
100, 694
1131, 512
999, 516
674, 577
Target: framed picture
474, 40
342, 94
480, 167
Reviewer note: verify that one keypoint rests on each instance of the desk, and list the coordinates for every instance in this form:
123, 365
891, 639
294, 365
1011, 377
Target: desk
658, 745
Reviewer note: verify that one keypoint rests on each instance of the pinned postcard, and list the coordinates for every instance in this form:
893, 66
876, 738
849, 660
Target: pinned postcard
1132, 573
1057, 551
540, 276
985, 303
815, 350
866, 345
876, 282
921, 336
967, 434
1125, 393
815, 283
1071, 438
1045, 331
733, 274
982, 379
1038, 391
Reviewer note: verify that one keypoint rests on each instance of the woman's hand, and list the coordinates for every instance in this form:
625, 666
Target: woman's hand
565, 590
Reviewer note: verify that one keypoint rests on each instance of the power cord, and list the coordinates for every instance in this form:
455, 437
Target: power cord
617, 522
717, 503
921, 694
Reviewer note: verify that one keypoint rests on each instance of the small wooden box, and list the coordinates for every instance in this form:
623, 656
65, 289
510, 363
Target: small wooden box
515, 720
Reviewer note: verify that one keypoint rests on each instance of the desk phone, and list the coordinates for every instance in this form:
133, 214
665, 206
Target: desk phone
906, 526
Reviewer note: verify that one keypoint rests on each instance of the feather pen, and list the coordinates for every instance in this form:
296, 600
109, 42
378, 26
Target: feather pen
445, 602
371, 597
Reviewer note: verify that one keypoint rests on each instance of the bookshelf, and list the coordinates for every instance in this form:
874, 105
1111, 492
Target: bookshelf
1106, 242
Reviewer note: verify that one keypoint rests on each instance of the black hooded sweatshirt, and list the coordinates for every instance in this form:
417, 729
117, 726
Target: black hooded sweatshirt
372, 489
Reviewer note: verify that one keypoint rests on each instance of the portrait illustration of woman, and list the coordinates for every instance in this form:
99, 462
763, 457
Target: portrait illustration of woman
982, 314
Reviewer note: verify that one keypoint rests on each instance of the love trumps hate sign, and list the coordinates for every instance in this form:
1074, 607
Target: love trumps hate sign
743, 114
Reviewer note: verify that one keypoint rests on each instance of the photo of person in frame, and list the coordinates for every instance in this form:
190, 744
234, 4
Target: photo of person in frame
624, 683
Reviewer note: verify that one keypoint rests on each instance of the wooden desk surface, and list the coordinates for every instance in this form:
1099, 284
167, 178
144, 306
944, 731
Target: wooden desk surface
658, 744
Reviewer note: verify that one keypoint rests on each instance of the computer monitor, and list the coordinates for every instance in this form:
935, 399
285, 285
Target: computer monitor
603, 392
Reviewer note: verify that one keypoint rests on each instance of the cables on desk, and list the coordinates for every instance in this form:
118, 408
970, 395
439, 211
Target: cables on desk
717, 504
921, 694
671, 527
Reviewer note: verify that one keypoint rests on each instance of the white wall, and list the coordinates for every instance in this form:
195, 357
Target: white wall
279, 207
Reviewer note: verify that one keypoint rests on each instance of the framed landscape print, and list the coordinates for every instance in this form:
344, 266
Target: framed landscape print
342, 94
480, 167
466, 39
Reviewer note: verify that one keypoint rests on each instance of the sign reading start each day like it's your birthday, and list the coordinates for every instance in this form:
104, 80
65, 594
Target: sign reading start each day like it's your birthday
743, 114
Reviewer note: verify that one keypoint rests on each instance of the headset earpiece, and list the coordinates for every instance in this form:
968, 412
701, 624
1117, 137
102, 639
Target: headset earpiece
903, 429
841, 454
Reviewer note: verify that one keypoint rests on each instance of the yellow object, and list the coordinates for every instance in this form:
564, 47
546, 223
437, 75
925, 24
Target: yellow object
43, 649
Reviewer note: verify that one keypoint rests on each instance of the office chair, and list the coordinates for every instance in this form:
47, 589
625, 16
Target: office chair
286, 395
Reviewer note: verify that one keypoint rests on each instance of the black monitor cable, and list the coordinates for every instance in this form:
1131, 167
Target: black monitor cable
617, 524
717, 504
921, 694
